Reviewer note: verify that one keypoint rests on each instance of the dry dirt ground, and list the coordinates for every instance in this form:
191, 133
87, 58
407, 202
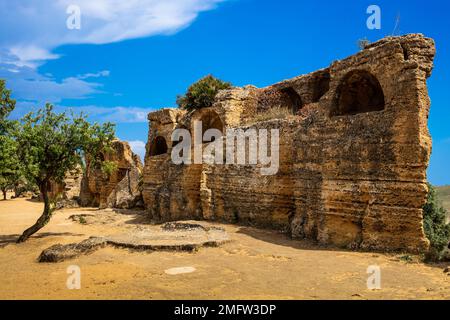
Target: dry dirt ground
256, 264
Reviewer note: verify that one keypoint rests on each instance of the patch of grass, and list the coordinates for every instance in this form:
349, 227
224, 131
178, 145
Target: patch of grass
406, 258
82, 220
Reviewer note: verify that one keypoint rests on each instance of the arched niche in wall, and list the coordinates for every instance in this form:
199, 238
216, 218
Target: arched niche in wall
358, 92
211, 120
158, 146
292, 99
320, 86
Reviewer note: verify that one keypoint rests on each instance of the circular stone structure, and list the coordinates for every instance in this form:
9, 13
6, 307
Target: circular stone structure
173, 236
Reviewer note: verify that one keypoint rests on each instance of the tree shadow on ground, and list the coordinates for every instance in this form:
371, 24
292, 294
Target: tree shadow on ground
33, 200
12, 238
283, 239
137, 216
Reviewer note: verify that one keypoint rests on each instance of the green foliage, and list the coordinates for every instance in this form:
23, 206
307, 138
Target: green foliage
202, 93
7, 105
108, 167
436, 229
83, 220
22, 185
53, 144
406, 258
10, 169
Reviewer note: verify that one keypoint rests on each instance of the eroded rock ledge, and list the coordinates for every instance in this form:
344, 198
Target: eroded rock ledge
169, 237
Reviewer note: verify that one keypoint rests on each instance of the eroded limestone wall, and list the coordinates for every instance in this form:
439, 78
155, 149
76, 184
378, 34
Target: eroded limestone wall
353, 157
120, 188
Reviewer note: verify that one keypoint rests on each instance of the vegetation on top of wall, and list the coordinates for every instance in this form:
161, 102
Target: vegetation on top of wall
363, 43
202, 93
435, 226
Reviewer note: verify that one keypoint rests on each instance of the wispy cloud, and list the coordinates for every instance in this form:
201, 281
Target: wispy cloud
94, 113
117, 114
31, 30
29, 85
40, 26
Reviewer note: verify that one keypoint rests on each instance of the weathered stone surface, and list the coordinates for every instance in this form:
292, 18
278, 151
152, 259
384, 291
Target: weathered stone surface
59, 252
173, 237
121, 188
353, 156
67, 192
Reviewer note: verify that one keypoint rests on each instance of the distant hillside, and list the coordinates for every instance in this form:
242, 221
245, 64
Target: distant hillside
444, 196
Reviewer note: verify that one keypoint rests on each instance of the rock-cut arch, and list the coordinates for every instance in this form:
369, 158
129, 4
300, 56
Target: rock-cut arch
358, 92
211, 120
158, 146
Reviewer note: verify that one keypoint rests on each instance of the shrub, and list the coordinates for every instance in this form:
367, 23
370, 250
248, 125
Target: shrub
363, 43
108, 168
202, 93
436, 229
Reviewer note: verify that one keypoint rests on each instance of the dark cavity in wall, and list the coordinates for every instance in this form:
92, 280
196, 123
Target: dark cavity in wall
358, 92
211, 120
405, 52
279, 98
158, 147
320, 86
292, 98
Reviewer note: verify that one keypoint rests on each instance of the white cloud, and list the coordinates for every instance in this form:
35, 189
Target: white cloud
32, 29
37, 27
138, 147
27, 84
104, 73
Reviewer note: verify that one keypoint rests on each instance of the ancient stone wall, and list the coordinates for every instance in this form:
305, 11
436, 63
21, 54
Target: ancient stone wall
353, 155
118, 189
93, 187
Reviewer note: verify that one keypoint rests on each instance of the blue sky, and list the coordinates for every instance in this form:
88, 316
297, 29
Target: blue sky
131, 57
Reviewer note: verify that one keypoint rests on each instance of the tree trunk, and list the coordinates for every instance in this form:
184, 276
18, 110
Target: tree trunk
43, 219
4, 194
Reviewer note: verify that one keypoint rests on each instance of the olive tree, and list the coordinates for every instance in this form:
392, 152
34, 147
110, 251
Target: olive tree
52, 144
9, 162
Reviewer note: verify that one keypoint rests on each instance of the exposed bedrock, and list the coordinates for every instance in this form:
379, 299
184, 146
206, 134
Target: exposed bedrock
93, 187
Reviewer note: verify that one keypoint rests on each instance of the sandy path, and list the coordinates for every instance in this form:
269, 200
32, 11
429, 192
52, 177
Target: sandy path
257, 264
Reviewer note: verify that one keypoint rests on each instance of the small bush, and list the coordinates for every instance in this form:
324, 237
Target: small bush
363, 43
108, 168
202, 93
436, 229
82, 220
